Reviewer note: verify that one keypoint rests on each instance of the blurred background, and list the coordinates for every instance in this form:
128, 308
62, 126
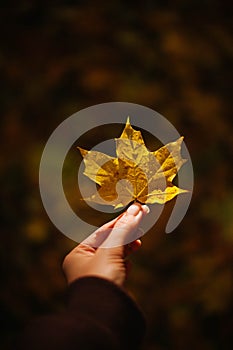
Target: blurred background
174, 57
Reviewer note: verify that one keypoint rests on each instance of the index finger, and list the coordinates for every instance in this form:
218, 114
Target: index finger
98, 237
126, 228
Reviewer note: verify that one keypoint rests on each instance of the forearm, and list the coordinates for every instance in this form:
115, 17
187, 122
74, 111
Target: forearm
99, 315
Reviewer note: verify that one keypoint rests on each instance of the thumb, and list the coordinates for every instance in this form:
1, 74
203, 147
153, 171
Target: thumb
126, 228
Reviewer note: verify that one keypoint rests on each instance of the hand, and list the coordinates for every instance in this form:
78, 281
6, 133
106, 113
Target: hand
103, 253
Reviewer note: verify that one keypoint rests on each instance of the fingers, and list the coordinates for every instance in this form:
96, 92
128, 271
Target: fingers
109, 224
97, 238
132, 247
120, 230
100, 235
126, 228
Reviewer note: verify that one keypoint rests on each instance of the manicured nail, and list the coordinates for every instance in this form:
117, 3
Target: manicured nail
133, 209
146, 209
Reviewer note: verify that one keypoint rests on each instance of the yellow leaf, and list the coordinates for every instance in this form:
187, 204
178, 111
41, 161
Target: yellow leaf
136, 174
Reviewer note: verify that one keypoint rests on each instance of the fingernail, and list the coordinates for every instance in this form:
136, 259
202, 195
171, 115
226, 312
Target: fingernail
146, 209
133, 209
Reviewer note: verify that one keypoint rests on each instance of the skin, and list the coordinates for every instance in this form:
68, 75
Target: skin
91, 258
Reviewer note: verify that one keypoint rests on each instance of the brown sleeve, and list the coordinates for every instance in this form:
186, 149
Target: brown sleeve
99, 315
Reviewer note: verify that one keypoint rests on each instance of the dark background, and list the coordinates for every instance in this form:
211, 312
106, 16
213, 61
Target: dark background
174, 57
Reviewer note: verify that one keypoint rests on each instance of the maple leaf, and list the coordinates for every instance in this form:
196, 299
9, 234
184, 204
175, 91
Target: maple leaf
136, 174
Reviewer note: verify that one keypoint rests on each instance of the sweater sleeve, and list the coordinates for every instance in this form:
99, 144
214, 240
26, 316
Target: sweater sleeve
99, 315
